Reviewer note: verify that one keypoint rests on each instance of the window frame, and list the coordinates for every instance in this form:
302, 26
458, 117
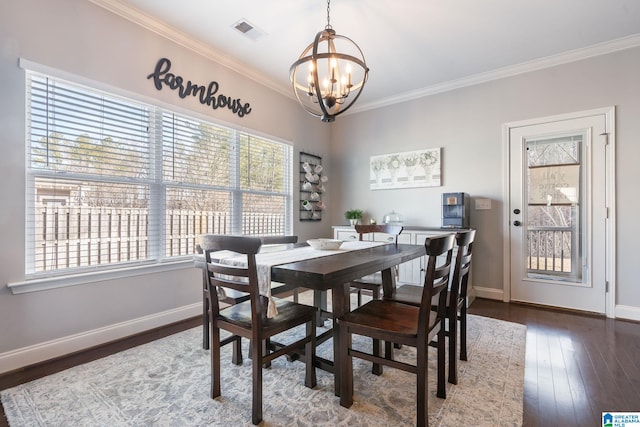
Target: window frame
157, 259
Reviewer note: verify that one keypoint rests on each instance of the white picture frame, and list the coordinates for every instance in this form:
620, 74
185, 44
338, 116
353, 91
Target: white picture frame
409, 169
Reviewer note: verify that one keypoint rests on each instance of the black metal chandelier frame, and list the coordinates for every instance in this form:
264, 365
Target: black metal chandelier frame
340, 94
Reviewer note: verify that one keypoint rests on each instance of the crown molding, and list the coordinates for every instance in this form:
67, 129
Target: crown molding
159, 27
501, 73
155, 25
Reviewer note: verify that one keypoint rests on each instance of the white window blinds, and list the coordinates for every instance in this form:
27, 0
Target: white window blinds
114, 181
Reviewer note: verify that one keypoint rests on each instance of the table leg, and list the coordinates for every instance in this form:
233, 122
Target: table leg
340, 305
320, 301
388, 286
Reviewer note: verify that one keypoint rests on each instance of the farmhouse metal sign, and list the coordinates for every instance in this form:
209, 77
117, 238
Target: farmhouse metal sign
207, 95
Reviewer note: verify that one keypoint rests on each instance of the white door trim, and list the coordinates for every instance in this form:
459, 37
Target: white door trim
609, 113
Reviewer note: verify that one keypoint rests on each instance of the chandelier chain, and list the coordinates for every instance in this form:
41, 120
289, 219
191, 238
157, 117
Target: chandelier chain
328, 17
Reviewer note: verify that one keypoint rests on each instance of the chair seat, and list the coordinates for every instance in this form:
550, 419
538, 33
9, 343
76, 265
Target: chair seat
289, 313
381, 317
412, 294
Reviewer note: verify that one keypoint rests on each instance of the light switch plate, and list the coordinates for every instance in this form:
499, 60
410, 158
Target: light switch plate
483, 204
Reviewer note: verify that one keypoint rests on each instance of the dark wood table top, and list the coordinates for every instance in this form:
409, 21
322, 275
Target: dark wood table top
327, 272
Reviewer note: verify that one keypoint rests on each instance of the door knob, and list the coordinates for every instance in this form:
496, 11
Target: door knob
517, 223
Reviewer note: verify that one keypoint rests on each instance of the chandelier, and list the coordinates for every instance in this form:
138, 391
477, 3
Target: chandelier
330, 74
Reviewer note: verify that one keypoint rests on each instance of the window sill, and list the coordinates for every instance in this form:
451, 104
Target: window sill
45, 283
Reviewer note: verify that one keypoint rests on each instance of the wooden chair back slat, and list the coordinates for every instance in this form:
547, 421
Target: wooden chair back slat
464, 243
278, 240
436, 280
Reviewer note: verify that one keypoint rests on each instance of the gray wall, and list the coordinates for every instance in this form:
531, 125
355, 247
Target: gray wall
77, 37
467, 123
80, 38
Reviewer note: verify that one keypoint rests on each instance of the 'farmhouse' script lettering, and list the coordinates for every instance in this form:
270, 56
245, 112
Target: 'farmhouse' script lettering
208, 95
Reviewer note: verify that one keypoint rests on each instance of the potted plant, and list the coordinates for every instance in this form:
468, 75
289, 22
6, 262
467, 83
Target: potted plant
353, 215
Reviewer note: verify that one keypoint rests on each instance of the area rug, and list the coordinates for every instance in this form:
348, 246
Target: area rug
167, 383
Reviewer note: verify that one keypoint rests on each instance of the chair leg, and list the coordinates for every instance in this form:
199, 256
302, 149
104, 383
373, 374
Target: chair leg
256, 369
346, 368
442, 390
215, 362
265, 350
376, 369
205, 322
463, 333
359, 297
452, 334
310, 355
422, 386
236, 357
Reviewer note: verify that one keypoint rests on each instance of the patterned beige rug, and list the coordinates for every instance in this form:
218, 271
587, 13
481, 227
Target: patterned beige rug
167, 383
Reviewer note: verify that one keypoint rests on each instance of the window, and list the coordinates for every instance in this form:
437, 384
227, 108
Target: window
113, 182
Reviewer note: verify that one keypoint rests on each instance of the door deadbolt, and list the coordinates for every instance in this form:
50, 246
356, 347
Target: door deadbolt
516, 211
517, 223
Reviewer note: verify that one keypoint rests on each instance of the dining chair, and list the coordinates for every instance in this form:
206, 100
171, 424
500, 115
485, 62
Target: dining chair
456, 307
405, 324
373, 282
248, 319
232, 297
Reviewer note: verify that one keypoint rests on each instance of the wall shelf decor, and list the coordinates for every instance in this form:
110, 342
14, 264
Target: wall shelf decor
313, 181
405, 170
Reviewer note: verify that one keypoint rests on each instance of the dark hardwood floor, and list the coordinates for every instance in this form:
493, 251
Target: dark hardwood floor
577, 365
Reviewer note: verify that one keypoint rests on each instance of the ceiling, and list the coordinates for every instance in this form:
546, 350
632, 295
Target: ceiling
412, 47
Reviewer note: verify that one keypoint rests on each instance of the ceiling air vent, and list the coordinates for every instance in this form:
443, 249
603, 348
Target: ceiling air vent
248, 30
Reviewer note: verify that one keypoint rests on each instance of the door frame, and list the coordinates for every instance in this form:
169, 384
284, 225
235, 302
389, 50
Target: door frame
610, 189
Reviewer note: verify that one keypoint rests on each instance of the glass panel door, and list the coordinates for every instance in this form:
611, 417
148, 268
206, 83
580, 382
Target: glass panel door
554, 208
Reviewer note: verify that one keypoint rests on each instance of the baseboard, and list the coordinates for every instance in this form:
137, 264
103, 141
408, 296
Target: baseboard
26, 356
627, 312
622, 312
489, 293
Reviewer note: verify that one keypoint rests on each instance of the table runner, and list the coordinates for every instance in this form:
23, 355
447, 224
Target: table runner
266, 260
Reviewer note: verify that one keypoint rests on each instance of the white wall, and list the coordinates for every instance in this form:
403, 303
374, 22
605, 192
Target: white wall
467, 123
80, 38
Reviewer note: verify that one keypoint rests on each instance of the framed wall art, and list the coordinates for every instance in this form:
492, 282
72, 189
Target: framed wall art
405, 170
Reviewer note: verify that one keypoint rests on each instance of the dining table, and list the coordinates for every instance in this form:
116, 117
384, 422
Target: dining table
330, 270
334, 272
